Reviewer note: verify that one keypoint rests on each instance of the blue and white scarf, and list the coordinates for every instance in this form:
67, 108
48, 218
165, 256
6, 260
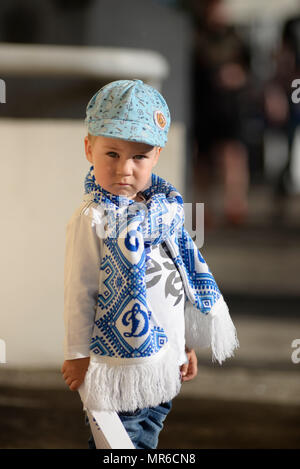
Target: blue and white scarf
132, 364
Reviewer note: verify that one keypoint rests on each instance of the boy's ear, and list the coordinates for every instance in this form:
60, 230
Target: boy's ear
88, 148
158, 150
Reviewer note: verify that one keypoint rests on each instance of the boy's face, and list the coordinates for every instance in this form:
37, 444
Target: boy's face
121, 167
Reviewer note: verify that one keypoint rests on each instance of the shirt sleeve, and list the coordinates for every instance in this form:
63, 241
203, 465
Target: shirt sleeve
81, 283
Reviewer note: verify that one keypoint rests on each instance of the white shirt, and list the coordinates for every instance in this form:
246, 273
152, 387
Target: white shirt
165, 292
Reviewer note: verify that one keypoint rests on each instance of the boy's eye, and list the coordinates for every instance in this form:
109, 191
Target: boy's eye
113, 154
139, 157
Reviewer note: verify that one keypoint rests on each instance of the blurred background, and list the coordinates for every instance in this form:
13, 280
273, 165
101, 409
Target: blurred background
226, 69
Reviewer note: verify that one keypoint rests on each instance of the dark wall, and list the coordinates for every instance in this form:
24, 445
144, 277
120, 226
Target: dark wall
143, 24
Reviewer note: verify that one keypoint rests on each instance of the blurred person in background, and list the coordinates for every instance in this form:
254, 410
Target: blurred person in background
281, 113
221, 71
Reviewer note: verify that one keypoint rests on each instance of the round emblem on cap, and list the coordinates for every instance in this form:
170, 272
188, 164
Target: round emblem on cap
160, 119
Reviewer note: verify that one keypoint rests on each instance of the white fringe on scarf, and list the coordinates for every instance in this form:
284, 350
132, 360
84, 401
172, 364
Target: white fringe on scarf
112, 386
127, 387
215, 330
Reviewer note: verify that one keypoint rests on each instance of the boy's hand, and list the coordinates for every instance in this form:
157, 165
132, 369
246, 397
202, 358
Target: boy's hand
189, 370
74, 372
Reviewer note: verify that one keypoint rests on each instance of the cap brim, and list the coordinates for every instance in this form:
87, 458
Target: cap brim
127, 130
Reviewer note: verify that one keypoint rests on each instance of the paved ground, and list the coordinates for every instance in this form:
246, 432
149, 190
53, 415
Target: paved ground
44, 419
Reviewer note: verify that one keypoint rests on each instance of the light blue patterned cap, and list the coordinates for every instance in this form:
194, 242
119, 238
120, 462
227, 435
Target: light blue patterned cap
129, 110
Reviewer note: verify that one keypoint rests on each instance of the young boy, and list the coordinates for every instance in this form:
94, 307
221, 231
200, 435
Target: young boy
139, 297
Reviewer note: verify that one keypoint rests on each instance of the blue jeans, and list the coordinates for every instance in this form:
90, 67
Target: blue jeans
143, 425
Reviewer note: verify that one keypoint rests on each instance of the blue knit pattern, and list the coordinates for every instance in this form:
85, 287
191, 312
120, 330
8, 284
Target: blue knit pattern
125, 326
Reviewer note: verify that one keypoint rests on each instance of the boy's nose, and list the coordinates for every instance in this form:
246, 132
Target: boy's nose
124, 168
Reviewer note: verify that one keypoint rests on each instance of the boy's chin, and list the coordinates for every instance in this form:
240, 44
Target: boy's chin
123, 192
